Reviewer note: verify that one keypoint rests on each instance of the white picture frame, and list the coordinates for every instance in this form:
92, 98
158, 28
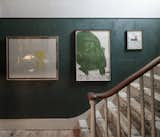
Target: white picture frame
134, 40
92, 55
32, 57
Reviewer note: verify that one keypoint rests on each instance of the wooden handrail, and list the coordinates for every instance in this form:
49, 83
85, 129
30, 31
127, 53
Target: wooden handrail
124, 83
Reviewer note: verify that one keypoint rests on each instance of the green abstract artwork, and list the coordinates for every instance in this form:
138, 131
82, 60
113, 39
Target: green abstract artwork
92, 56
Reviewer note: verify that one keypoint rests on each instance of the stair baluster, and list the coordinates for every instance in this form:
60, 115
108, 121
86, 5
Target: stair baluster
93, 119
141, 82
106, 117
129, 110
118, 120
153, 133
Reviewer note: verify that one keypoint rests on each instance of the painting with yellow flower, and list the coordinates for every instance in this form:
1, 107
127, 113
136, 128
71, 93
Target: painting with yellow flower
32, 58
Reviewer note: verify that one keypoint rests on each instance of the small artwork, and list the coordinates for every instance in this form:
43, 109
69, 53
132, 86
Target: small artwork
134, 40
32, 58
93, 55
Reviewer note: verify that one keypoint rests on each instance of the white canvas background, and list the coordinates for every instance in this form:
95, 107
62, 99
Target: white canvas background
134, 44
104, 38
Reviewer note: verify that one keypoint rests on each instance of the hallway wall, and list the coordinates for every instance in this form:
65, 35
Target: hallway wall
66, 97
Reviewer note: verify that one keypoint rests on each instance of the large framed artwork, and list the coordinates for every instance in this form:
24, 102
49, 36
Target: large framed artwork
32, 57
92, 55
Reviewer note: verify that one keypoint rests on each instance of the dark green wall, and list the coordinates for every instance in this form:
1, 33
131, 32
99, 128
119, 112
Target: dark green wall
65, 97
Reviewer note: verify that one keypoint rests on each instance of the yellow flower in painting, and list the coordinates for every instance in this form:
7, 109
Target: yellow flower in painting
40, 57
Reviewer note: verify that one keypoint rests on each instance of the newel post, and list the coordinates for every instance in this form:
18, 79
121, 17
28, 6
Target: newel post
92, 118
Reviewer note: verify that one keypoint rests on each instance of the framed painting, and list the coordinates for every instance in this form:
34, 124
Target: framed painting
92, 55
134, 40
32, 57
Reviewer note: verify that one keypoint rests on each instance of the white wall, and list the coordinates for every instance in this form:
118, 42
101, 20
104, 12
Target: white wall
0, 10
81, 8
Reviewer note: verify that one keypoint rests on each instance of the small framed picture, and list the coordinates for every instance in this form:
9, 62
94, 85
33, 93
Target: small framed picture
32, 57
92, 55
134, 40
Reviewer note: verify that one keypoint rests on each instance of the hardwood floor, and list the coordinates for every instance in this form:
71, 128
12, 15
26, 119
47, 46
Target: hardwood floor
40, 133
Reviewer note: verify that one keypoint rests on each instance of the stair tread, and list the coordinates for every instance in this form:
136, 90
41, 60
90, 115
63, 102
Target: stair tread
83, 128
137, 107
147, 91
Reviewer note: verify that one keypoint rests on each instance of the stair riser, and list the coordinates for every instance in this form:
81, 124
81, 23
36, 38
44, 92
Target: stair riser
100, 123
135, 115
114, 124
147, 99
83, 134
99, 131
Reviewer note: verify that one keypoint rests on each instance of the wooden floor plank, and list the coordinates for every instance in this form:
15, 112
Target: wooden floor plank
39, 133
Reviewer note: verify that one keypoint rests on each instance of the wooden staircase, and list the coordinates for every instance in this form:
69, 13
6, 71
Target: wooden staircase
131, 109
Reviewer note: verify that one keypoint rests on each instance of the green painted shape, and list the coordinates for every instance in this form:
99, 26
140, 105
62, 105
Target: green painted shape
90, 54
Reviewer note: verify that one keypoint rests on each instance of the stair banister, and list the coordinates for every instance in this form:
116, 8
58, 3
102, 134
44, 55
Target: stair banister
126, 82
94, 96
